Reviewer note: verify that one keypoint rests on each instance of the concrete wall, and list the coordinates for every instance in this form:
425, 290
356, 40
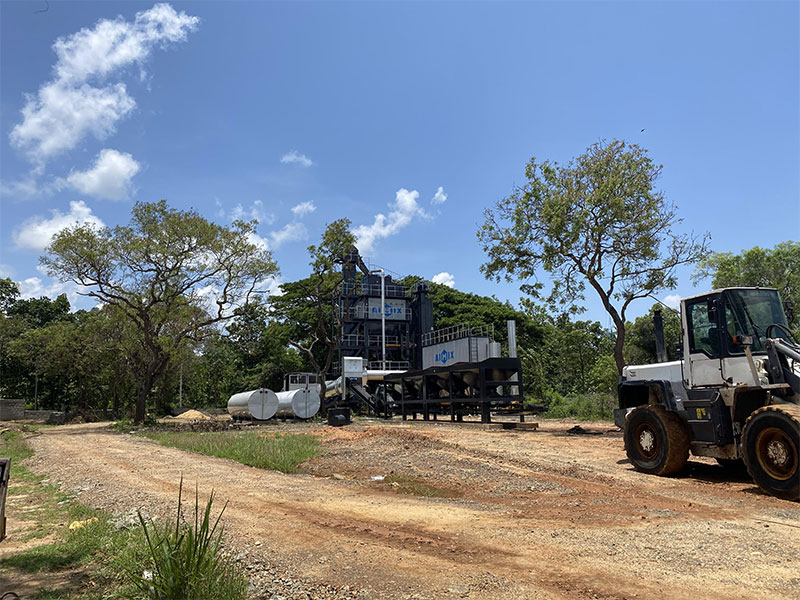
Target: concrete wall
12, 409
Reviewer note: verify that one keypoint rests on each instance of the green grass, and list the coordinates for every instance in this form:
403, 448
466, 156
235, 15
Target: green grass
278, 452
112, 559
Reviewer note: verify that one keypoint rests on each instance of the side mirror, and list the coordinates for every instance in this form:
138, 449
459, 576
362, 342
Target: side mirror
678, 350
712, 310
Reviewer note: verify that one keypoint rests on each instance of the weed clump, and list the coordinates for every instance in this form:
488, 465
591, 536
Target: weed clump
186, 560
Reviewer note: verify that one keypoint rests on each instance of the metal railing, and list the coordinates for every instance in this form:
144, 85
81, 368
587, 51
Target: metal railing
355, 339
372, 289
390, 365
457, 332
362, 312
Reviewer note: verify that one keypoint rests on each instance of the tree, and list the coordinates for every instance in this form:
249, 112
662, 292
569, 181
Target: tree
39, 312
778, 268
599, 220
307, 305
9, 292
171, 273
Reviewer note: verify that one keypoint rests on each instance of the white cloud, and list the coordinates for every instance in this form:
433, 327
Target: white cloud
257, 241
444, 278
6, 270
303, 209
673, 301
291, 232
36, 287
404, 209
68, 107
109, 178
37, 232
254, 211
294, 157
440, 197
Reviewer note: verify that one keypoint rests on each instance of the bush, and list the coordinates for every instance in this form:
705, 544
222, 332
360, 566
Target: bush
586, 407
186, 560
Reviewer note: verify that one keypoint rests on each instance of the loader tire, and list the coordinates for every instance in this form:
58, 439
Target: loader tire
656, 440
770, 444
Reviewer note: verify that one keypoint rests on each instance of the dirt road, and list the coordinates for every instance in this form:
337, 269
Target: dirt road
491, 514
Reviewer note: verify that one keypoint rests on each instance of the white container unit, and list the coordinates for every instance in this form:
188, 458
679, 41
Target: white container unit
302, 404
255, 404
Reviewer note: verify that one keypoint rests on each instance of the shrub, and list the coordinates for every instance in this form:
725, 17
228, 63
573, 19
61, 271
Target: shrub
586, 407
186, 560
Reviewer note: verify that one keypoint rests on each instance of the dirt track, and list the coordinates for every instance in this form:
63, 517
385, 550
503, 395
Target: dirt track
512, 514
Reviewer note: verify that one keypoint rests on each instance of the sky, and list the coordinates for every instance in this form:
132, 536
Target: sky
410, 119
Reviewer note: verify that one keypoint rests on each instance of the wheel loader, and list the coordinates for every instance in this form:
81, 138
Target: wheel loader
733, 395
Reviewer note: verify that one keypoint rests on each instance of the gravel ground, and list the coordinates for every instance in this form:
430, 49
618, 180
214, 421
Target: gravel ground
416, 510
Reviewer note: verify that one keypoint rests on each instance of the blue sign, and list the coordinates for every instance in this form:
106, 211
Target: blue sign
444, 356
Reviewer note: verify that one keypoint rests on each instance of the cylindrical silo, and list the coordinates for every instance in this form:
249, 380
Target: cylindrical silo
303, 404
256, 404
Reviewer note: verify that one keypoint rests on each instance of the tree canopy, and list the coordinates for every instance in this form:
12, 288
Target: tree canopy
170, 273
600, 221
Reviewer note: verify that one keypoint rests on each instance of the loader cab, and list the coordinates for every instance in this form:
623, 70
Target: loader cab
713, 325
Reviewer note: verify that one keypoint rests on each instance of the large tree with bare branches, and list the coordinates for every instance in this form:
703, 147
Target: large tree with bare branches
600, 221
172, 274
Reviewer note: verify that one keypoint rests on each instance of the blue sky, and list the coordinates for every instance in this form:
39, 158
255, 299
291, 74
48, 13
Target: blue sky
425, 113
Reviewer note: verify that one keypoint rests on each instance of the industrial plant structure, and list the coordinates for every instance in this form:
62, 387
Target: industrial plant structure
390, 360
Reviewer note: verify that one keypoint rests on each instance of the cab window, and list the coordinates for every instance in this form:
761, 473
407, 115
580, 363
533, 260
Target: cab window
703, 333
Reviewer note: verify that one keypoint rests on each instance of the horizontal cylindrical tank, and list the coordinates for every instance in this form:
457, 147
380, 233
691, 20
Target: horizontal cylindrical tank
303, 404
255, 404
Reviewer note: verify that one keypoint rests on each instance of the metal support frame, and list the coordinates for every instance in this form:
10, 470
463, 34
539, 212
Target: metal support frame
471, 388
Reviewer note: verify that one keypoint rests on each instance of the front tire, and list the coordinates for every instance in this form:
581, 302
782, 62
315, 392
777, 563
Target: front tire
656, 441
770, 443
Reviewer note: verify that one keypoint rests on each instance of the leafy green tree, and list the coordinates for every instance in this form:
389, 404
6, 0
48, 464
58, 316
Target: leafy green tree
9, 292
599, 221
307, 305
171, 273
39, 312
777, 267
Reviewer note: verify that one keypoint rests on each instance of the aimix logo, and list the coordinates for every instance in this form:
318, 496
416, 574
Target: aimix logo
444, 356
388, 309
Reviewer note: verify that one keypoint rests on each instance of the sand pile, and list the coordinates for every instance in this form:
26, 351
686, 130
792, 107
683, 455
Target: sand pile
193, 415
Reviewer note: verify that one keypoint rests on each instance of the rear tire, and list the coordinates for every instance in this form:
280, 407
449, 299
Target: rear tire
656, 441
770, 443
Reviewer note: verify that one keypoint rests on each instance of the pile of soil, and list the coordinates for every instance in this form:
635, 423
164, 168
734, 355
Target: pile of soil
193, 415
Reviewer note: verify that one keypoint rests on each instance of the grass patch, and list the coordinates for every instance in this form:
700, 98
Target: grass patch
113, 559
403, 484
279, 452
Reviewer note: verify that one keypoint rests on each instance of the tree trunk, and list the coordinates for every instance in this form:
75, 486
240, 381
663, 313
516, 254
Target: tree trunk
142, 392
618, 347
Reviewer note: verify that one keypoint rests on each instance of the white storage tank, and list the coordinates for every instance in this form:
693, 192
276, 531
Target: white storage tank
302, 404
256, 404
